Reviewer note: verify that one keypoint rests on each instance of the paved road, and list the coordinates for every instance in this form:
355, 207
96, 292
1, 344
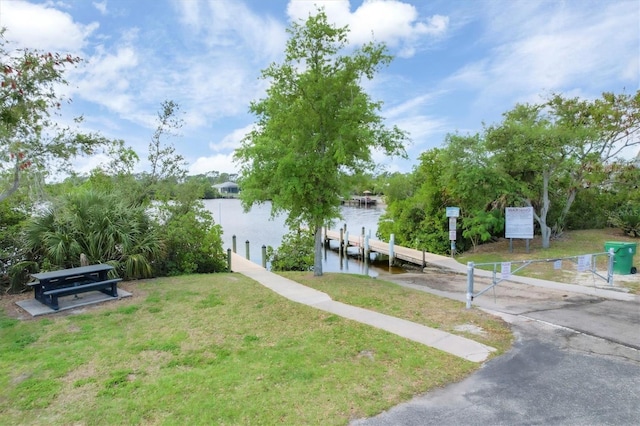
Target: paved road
575, 362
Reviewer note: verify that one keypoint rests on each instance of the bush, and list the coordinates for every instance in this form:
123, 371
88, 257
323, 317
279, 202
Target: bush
193, 242
294, 254
627, 218
105, 227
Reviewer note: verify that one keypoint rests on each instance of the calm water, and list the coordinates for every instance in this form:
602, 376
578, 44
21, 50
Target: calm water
259, 229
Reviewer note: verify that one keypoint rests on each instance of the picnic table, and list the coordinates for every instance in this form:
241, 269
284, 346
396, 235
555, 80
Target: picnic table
65, 282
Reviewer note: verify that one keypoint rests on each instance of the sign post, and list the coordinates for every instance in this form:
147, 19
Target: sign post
453, 213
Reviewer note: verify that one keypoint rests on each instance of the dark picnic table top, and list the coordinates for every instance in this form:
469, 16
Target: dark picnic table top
82, 270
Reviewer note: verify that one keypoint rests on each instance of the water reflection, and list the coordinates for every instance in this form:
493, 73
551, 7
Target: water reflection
260, 229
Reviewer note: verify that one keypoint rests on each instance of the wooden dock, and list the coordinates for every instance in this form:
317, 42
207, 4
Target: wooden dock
413, 256
361, 202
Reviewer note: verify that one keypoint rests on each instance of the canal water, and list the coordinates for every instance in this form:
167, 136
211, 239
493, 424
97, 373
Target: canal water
257, 227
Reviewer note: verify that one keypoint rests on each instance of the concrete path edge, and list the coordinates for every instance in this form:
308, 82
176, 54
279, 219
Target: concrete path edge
456, 345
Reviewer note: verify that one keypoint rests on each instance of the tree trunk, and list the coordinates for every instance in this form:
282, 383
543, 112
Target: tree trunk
560, 223
317, 261
545, 230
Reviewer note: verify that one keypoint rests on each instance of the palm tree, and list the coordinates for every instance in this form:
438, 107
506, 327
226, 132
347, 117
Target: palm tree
105, 227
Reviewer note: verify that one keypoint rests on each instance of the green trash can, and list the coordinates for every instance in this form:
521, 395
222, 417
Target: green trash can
622, 256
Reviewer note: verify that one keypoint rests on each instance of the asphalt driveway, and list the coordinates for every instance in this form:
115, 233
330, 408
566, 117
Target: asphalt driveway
575, 362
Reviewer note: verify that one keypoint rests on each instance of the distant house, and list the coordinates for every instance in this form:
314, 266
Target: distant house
227, 188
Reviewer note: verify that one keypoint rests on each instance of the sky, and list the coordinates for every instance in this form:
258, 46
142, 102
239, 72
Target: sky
458, 64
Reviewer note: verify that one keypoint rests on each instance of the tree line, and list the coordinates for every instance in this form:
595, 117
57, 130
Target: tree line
311, 146
561, 157
145, 225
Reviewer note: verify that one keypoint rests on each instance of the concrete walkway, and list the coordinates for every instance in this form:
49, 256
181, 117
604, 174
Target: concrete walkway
450, 343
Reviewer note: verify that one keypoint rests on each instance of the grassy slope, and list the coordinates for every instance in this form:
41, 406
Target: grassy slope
221, 349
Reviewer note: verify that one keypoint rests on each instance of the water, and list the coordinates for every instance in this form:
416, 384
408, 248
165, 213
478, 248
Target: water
259, 229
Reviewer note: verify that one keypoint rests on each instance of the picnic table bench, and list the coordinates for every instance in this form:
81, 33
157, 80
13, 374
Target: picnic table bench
66, 282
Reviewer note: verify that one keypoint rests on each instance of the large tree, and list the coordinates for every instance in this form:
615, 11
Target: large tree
550, 152
316, 126
30, 141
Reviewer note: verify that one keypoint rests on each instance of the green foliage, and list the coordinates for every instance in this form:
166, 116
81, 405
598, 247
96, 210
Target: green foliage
551, 152
193, 242
591, 208
106, 228
165, 163
482, 226
10, 220
296, 252
31, 144
396, 187
316, 128
627, 218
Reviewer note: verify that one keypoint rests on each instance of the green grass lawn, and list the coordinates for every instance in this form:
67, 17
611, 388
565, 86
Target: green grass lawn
222, 349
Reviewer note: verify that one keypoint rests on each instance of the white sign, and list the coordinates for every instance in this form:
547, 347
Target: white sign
453, 211
584, 263
518, 222
505, 269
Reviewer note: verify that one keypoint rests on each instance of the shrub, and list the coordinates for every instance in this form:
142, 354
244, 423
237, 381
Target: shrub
294, 254
193, 241
627, 218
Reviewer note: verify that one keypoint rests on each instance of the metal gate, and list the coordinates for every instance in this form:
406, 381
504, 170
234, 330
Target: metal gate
585, 263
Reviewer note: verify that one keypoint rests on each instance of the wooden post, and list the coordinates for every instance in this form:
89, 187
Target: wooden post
346, 242
264, 256
391, 244
366, 255
247, 250
340, 243
233, 243
229, 259
326, 238
362, 244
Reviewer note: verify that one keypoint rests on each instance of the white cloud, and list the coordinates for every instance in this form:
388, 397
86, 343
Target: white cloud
390, 21
232, 140
230, 23
101, 6
106, 79
39, 26
421, 128
222, 163
542, 47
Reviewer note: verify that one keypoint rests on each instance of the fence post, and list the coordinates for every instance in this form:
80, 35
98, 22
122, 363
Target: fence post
229, 259
233, 240
264, 256
610, 267
246, 244
469, 284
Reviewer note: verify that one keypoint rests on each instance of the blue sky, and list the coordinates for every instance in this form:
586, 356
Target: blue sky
458, 63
